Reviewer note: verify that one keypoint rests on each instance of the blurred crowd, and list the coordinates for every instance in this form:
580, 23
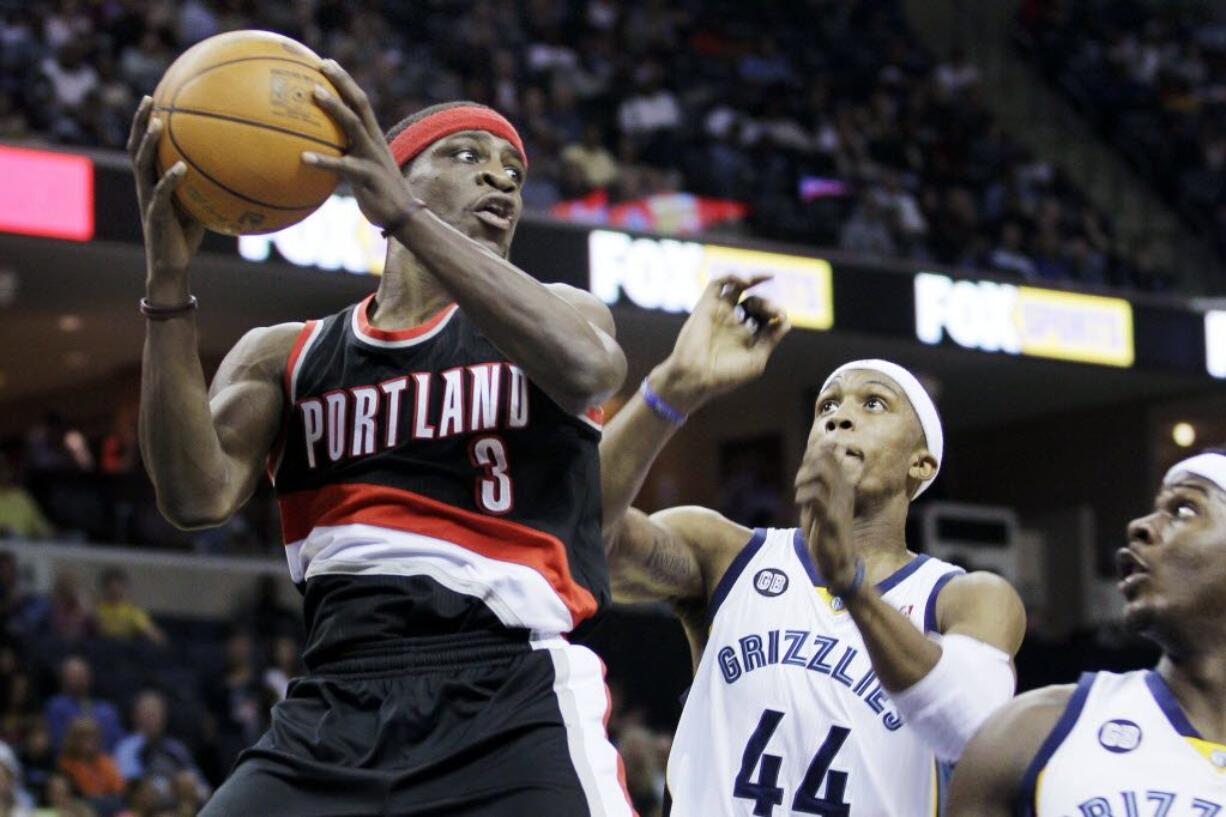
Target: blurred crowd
105, 712
60, 482
823, 116
1153, 78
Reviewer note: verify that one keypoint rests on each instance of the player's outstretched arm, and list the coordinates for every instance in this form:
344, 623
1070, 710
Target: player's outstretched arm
571, 358
676, 555
988, 779
719, 348
204, 452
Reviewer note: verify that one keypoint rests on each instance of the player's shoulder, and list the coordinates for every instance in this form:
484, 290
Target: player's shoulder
1021, 726
266, 349
982, 597
588, 305
703, 529
714, 539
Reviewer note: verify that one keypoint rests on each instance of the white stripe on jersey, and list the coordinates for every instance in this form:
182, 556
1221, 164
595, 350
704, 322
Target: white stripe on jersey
583, 700
786, 715
1124, 748
519, 595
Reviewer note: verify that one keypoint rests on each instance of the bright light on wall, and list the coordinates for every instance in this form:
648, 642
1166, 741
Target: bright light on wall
1184, 434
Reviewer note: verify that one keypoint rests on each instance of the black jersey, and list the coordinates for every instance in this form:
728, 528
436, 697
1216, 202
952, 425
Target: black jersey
426, 487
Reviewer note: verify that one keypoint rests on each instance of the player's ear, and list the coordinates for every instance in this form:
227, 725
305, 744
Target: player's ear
923, 466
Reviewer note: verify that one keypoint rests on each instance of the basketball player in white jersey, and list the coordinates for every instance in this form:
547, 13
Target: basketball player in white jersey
1143, 743
835, 668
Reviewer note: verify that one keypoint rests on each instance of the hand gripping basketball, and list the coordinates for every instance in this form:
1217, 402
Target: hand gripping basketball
171, 236
382, 193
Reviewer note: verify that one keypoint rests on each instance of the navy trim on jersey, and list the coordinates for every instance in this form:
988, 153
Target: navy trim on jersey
734, 570
930, 609
1068, 719
904, 572
802, 553
1169, 705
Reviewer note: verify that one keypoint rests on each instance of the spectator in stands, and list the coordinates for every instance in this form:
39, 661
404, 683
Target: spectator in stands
62, 802
21, 612
15, 801
14, 124
69, 617
644, 774
38, 759
21, 709
75, 700
594, 165
283, 667
20, 515
142, 65
116, 616
92, 771
868, 231
144, 800
70, 75
1008, 256
188, 797
149, 753
237, 703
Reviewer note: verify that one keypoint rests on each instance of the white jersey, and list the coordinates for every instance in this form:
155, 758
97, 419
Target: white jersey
786, 716
1124, 748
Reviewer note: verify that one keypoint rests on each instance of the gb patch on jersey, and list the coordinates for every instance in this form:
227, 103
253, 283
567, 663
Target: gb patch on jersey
1119, 736
770, 582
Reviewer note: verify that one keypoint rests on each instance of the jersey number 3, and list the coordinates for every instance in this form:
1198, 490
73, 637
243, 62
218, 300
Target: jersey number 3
767, 794
493, 489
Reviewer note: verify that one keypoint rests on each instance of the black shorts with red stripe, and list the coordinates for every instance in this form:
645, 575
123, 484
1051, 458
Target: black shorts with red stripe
472, 725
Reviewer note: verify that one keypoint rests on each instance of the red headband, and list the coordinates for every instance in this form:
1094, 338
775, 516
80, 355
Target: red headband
423, 133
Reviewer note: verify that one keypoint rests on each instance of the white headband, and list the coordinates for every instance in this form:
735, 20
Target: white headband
1210, 466
925, 409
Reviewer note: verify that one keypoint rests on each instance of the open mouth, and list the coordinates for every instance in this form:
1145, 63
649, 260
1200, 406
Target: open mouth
1131, 568
854, 453
496, 211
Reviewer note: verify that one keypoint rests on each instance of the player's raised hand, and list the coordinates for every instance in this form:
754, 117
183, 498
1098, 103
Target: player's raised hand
826, 495
725, 343
382, 192
171, 236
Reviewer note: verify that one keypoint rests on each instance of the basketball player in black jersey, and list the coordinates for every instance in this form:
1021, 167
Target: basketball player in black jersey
434, 453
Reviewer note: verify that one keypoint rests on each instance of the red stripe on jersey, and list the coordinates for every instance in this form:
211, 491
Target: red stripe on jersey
399, 334
360, 503
287, 379
596, 415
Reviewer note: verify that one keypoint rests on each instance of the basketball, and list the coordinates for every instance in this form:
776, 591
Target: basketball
238, 110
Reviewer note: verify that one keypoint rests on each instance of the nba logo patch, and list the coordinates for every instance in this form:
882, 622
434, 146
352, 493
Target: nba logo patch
770, 582
1119, 736
832, 601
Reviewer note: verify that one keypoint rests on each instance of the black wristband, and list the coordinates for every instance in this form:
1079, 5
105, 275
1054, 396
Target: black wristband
157, 312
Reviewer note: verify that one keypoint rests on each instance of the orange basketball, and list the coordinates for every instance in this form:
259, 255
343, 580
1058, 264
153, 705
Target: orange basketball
238, 110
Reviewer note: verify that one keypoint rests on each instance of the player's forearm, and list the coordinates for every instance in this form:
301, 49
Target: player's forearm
556, 346
178, 441
635, 437
901, 655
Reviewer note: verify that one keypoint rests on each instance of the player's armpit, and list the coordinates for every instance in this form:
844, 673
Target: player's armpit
988, 779
985, 607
